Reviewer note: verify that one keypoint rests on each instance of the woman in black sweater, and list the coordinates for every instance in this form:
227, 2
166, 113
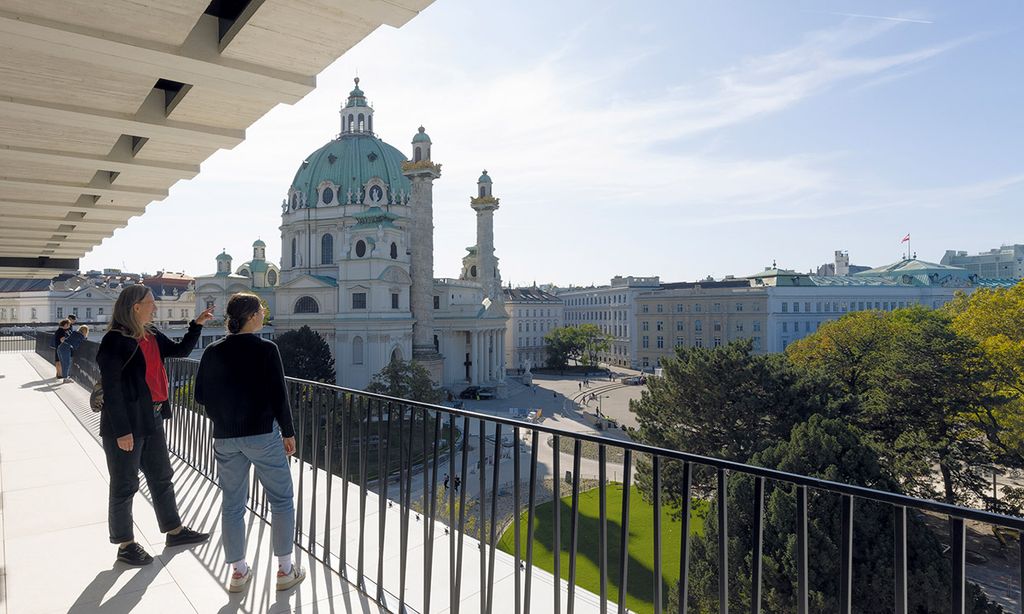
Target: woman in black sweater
135, 391
241, 385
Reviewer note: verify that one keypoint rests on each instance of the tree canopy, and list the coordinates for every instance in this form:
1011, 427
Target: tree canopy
582, 343
306, 355
405, 380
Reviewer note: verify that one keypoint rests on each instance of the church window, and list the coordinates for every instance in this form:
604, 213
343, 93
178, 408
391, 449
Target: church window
306, 304
272, 278
697, 326
358, 300
376, 192
244, 272
351, 122
472, 271
357, 351
362, 122
295, 201
394, 300
394, 251
369, 123
327, 196
360, 248
417, 155
293, 251
483, 191
437, 302
326, 249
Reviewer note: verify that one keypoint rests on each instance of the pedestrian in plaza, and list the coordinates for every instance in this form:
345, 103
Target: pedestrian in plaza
67, 348
458, 482
135, 392
241, 385
446, 482
580, 384
58, 337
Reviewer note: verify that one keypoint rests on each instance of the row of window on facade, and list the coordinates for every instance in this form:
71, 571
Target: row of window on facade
530, 342
543, 326
698, 342
610, 315
327, 250
308, 304
844, 306
698, 325
525, 313
698, 307
616, 299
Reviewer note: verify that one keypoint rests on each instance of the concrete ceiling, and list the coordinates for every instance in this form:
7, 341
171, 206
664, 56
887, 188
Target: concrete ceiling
105, 104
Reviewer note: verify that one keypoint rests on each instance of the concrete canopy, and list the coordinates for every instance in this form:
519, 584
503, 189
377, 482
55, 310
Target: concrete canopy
105, 104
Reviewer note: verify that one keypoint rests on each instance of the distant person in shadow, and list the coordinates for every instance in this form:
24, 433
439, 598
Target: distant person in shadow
67, 348
241, 384
135, 391
58, 336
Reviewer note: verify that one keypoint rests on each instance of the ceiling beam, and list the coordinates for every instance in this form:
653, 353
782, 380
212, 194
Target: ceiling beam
197, 62
77, 211
103, 189
59, 222
40, 264
8, 232
117, 161
148, 122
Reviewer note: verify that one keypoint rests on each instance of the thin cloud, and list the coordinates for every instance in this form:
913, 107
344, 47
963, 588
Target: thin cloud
880, 17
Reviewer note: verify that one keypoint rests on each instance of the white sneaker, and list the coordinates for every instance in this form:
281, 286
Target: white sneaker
239, 581
287, 580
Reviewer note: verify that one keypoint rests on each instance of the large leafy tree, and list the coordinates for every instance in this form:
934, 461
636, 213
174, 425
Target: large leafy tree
832, 450
306, 355
405, 380
913, 385
725, 402
581, 343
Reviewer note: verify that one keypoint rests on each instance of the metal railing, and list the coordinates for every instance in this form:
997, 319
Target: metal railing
377, 444
12, 344
340, 429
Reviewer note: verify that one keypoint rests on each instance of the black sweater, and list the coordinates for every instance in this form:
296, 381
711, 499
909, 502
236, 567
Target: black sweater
127, 403
241, 384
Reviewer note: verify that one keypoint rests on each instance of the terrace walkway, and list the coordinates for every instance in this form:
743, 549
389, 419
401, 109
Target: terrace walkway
55, 556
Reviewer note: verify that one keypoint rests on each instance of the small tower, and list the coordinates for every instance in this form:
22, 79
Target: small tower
356, 114
420, 146
485, 204
223, 263
259, 250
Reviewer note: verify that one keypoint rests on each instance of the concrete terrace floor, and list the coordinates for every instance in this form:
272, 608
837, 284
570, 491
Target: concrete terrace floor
55, 555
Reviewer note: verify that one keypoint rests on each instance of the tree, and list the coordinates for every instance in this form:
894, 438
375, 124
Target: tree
405, 380
914, 386
581, 343
828, 449
306, 355
724, 402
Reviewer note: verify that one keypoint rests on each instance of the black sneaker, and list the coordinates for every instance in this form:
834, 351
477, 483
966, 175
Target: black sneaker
134, 554
185, 537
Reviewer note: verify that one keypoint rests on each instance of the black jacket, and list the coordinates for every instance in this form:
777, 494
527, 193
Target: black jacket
127, 403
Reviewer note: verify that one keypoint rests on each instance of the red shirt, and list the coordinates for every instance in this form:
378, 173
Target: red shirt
156, 377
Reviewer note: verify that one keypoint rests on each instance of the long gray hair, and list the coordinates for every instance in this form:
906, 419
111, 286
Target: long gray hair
123, 319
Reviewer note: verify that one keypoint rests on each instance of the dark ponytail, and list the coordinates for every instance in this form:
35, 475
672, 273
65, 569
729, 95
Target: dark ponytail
241, 307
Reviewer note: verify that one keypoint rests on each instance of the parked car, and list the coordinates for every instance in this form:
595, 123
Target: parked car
470, 392
487, 393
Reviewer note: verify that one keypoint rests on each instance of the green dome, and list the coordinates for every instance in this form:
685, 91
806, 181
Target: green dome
223, 256
485, 178
349, 163
421, 137
259, 243
356, 98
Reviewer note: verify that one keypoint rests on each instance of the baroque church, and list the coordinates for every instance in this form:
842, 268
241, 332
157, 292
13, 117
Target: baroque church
358, 262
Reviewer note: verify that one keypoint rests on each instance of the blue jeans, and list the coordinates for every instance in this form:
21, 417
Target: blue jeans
266, 454
64, 353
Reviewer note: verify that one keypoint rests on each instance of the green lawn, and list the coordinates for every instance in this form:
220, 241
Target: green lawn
640, 576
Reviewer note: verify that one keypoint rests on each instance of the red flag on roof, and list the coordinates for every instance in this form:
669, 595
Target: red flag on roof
906, 238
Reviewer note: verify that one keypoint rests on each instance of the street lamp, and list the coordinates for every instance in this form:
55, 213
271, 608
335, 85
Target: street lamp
599, 404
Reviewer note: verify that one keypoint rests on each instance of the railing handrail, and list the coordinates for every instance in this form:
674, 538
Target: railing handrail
862, 492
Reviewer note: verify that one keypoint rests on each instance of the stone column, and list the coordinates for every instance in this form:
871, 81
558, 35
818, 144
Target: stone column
421, 294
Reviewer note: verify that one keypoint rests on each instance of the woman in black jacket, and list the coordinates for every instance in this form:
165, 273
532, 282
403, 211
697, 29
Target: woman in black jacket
58, 336
135, 391
241, 385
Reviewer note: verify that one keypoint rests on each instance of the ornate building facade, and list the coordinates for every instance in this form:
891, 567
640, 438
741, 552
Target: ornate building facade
357, 262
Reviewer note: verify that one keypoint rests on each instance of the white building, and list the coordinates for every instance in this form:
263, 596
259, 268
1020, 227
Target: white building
612, 308
1007, 262
532, 314
357, 251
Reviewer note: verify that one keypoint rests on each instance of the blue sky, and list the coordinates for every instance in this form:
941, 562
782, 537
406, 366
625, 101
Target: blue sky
680, 139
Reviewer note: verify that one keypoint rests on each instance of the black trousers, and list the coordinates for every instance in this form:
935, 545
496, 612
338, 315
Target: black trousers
149, 454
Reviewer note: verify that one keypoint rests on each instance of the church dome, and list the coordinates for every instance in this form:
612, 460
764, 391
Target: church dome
349, 163
259, 243
421, 136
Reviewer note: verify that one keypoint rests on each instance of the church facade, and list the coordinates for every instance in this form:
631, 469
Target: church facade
357, 262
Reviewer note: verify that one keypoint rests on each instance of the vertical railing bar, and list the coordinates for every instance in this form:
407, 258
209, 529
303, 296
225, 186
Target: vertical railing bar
346, 448
627, 470
656, 496
300, 450
556, 520
451, 513
684, 539
574, 521
406, 499
314, 407
803, 590
329, 469
463, 485
602, 527
846, 556
428, 557
483, 517
758, 544
723, 542
958, 551
517, 553
900, 558
494, 517
531, 511
383, 470
364, 413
